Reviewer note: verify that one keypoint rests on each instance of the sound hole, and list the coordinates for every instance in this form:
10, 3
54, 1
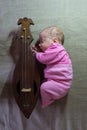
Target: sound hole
18, 87
35, 87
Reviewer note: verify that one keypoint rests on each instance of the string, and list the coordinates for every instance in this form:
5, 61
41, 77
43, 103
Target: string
22, 58
25, 57
25, 67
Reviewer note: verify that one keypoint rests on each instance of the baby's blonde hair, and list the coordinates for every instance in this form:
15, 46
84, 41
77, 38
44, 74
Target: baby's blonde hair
54, 32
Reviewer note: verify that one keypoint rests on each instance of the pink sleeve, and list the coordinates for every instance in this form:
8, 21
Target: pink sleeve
48, 57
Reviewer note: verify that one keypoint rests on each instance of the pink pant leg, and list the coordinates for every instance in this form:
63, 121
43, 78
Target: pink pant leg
52, 90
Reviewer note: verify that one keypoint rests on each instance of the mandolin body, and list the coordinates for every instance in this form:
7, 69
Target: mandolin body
26, 100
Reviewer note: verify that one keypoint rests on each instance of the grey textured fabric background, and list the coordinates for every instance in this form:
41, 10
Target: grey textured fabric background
69, 113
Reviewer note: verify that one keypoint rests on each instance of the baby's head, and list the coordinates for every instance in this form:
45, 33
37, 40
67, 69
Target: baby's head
50, 35
53, 33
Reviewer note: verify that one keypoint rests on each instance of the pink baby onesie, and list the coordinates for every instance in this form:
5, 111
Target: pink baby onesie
58, 73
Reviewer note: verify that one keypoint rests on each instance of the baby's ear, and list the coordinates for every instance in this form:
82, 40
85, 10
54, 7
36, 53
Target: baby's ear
55, 40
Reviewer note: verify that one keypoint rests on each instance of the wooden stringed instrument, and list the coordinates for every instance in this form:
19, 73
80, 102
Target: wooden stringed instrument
26, 79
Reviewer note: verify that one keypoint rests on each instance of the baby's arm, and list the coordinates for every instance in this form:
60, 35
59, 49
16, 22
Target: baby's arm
47, 57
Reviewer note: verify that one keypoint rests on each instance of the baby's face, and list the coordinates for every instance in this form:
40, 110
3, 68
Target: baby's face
45, 42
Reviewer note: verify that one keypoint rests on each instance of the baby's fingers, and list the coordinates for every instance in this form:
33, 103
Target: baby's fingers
34, 48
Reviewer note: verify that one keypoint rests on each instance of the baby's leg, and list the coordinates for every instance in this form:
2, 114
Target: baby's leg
52, 90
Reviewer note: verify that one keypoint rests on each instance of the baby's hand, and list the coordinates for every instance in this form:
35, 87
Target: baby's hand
34, 50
